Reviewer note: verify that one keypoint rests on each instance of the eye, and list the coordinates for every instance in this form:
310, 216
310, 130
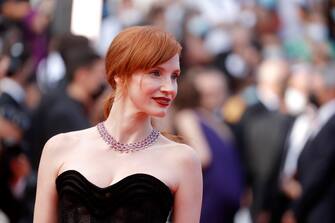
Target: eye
155, 73
175, 76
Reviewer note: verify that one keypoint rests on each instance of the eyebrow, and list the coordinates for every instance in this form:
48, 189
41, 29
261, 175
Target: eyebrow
162, 68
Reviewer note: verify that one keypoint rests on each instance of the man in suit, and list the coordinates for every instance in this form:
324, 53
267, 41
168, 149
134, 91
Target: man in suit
316, 165
67, 108
263, 130
285, 186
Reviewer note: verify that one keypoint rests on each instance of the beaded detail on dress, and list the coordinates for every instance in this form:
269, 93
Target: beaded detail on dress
138, 198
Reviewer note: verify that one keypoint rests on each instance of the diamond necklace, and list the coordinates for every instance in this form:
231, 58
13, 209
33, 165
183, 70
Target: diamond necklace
127, 147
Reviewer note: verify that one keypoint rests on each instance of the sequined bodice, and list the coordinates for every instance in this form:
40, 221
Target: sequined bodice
139, 198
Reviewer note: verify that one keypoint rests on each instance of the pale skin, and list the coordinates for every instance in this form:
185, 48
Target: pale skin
174, 164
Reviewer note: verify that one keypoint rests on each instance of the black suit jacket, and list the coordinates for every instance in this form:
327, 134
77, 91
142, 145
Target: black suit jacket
316, 173
263, 134
57, 113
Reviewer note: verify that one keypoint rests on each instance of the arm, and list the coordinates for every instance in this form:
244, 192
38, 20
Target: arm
188, 127
46, 195
188, 197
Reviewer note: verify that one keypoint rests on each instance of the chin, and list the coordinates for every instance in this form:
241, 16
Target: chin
158, 114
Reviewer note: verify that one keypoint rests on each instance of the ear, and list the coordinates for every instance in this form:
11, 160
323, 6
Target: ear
117, 79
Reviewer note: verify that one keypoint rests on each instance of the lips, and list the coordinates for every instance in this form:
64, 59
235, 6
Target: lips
162, 101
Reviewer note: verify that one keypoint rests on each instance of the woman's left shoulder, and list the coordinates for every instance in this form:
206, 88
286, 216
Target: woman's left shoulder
188, 156
184, 156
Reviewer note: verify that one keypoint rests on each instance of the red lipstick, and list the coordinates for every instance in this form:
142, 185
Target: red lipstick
162, 101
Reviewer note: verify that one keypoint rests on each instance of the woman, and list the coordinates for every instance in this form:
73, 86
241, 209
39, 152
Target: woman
123, 170
201, 125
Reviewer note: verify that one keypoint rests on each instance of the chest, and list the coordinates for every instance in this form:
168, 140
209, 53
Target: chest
105, 167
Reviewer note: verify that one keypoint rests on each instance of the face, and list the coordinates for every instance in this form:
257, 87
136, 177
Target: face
153, 91
212, 90
94, 77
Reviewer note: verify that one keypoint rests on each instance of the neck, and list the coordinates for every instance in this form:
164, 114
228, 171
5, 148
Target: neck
126, 124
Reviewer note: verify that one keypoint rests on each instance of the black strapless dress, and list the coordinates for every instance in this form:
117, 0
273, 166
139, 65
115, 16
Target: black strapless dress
138, 198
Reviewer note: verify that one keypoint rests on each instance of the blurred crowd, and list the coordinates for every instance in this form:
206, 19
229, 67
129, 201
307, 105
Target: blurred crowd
256, 98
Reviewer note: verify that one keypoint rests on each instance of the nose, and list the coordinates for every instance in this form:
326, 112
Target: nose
169, 86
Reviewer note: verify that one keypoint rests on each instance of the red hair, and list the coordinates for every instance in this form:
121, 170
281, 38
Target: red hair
137, 48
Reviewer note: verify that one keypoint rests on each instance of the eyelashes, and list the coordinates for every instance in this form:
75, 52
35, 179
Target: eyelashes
175, 76
157, 73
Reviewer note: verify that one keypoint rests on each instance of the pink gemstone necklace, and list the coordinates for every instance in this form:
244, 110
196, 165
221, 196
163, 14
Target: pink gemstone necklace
127, 147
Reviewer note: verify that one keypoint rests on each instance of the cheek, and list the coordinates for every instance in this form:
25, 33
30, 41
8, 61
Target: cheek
175, 90
141, 93
148, 86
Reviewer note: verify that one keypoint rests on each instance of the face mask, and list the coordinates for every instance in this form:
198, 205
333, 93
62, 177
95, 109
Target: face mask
295, 101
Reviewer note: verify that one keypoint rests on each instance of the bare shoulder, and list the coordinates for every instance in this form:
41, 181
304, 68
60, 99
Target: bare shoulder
61, 144
182, 155
187, 158
61, 141
65, 140
54, 149
186, 167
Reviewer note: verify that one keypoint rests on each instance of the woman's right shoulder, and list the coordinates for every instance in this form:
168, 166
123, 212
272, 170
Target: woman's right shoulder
60, 141
63, 143
58, 148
